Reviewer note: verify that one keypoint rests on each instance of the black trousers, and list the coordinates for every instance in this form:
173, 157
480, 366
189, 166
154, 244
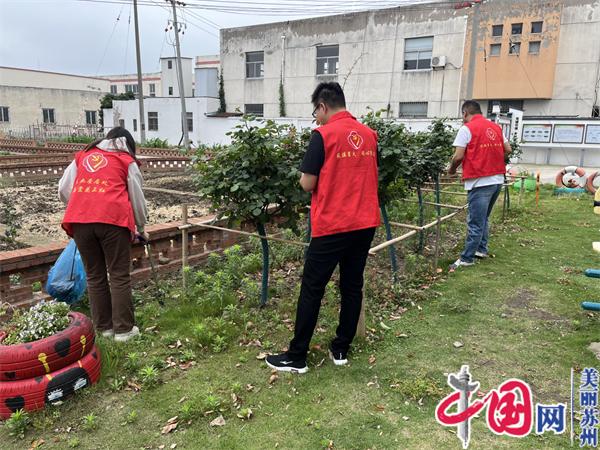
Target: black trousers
349, 250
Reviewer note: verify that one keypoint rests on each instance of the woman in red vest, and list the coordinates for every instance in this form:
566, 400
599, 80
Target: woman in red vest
102, 188
340, 169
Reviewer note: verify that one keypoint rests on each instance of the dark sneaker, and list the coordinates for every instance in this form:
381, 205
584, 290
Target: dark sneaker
283, 363
338, 358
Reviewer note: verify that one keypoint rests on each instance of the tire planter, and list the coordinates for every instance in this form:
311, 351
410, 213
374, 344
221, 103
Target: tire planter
35, 393
33, 359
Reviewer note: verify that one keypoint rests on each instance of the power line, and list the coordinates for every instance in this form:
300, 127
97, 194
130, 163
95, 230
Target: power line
127, 41
109, 39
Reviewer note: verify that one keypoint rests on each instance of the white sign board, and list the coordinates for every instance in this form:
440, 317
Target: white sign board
592, 135
537, 132
568, 134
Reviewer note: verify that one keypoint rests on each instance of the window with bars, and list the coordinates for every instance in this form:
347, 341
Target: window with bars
534, 47
189, 118
134, 124
495, 49
4, 114
113, 88
255, 64
256, 109
514, 48
90, 117
152, 121
412, 109
152, 88
497, 30
328, 58
170, 90
48, 115
131, 88
417, 53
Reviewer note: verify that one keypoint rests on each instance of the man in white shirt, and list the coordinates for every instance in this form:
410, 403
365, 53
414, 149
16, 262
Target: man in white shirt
482, 150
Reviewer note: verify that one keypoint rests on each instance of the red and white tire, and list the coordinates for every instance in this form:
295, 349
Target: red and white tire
23, 361
35, 393
590, 185
570, 177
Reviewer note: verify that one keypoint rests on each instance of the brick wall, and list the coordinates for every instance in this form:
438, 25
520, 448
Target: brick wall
21, 269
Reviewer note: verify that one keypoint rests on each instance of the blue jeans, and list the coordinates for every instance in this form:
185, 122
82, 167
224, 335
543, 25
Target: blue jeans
481, 201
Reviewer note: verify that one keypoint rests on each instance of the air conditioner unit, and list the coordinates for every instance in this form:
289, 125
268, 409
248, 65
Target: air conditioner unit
438, 61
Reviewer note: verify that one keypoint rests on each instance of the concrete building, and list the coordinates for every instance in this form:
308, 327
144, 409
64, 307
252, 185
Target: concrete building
47, 100
423, 60
151, 84
169, 77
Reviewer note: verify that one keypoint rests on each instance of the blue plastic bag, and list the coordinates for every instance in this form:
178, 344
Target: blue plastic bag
66, 280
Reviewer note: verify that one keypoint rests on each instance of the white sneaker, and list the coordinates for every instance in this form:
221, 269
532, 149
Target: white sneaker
481, 255
124, 337
459, 263
108, 334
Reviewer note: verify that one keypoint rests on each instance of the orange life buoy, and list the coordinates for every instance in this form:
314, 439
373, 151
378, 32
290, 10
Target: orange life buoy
573, 181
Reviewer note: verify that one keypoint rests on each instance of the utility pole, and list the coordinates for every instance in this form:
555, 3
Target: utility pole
186, 138
139, 74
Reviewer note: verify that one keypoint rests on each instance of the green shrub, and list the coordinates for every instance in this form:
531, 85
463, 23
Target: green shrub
17, 423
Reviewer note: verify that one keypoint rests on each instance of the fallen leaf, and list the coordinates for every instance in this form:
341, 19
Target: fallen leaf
37, 443
458, 344
247, 414
182, 399
249, 387
384, 326
273, 378
173, 446
134, 386
405, 417
372, 359
170, 426
150, 329
380, 407
261, 356
402, 335
187, 365
161, 447
218, 422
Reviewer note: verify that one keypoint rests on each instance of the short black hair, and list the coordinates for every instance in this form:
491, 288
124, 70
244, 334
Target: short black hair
331, 94
471, 107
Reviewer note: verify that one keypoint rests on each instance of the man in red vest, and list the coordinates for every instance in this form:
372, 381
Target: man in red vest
482, 150
340, 169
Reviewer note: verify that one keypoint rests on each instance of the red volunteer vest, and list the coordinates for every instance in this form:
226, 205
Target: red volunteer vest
100, 190
484, 155
346, 195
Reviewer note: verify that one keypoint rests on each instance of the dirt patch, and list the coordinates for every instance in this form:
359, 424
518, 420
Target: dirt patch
40, 211
524, 299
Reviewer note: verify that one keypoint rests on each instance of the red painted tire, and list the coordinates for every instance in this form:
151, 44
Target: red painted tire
23, 361
589, 184
35, 393
574, 170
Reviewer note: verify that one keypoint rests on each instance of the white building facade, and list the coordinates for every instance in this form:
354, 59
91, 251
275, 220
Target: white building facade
47, 100
423, 60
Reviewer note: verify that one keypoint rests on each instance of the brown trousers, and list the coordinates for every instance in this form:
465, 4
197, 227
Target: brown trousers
107, 248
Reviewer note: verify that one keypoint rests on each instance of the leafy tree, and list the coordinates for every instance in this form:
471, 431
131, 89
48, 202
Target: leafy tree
222, 104
255, 177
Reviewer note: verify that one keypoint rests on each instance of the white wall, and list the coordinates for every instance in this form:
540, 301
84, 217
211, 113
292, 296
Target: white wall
371, 61
170, 77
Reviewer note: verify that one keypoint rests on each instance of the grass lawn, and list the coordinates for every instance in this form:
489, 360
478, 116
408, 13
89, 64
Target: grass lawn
517, 315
